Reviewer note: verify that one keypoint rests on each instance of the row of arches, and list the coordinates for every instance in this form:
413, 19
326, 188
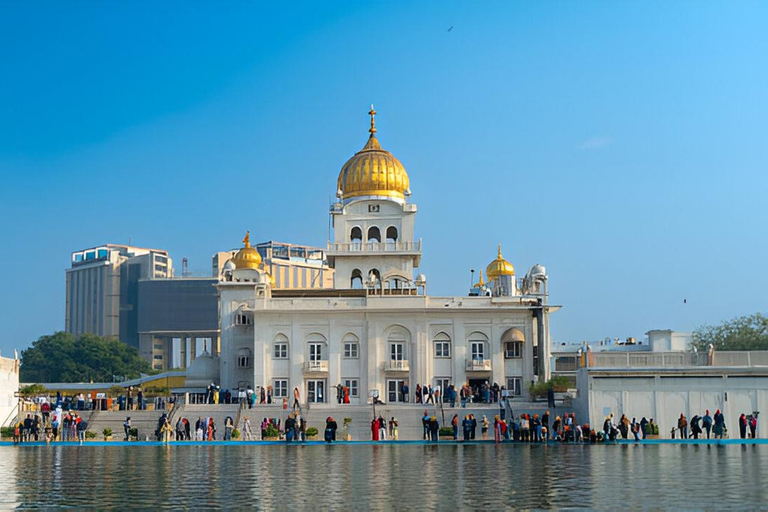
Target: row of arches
392, 282
373, 235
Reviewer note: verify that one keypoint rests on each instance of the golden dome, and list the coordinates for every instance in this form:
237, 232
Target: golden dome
499, 267
373, 171
247, 257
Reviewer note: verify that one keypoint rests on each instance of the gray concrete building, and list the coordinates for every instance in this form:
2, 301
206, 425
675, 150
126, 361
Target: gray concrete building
102, 289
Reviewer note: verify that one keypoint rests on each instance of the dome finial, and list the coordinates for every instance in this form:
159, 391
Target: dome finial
499, 251
247, 239
372, 113
481, 282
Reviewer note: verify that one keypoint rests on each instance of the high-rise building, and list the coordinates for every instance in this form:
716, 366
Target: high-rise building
102, 289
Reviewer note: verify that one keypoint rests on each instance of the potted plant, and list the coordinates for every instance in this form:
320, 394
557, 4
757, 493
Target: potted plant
272, 434
107, 434
312, 433
235, 434
90, 435
446, 433
133, 434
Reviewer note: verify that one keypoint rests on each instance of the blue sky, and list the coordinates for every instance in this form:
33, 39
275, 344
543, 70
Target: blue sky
622, 145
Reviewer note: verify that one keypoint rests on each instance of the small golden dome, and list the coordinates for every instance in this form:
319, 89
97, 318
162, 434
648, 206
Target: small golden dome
373, 171
499, 267
247, 257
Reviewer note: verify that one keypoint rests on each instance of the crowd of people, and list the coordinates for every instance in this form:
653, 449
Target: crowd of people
49, 426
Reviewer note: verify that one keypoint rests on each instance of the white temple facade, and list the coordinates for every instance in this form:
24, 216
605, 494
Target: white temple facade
377, 329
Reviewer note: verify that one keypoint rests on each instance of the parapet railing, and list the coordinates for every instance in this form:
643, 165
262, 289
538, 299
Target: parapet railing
647, 360
375, 247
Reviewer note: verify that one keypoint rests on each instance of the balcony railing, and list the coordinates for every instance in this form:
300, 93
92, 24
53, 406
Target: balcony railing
375, 247
315, 366
478, 365
400, 365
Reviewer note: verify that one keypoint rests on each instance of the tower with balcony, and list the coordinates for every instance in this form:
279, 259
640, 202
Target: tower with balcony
374, 245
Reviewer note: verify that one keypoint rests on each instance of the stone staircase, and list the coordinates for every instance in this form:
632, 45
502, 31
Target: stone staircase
144, 421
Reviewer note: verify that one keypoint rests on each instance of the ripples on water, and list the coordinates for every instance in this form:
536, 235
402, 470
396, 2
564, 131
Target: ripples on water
382, 477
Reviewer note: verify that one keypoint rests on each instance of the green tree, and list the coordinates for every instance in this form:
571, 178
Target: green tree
61, 357
741, 333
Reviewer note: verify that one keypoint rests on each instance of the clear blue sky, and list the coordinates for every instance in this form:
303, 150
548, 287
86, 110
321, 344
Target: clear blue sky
622, 145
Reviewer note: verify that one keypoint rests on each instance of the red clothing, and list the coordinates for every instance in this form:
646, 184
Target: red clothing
375, 429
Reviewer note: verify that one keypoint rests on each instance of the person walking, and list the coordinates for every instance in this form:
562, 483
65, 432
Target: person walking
296, 398
695, 427
484, 428
706, 422
545, 425
753, 424
682, 425
229, 425
455, 425
180, 430
719, 426
743, 426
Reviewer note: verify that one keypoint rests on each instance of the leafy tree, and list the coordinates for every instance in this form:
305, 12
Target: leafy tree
61, 357
741, 333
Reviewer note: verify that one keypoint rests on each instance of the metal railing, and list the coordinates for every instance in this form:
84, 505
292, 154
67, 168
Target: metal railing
375, 247
648, 360
316, 366
478, 365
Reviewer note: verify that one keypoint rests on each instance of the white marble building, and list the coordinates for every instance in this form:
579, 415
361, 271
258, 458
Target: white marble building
377, 328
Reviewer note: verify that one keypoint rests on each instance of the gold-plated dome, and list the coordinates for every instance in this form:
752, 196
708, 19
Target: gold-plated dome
247, 257
499, 267
373, 171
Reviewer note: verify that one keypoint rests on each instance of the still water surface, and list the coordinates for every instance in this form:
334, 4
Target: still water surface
381, 477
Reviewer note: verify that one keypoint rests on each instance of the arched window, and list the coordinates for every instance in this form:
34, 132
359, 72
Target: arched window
356, 280
391, 234
244, 358
442, 343
317, 346
478, 346
356, 235
512, 341
374, 235
281, 346
351, 346
376, 276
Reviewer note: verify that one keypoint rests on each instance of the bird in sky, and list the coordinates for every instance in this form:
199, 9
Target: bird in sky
450, 28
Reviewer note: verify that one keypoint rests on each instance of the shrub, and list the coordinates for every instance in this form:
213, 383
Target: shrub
107, 432
311, 431
558, 384
90, 435
347, 421
7, 431
235, 434
133, 432
272, 431
446, 431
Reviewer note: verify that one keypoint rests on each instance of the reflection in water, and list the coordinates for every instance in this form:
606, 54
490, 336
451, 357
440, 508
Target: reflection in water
381, 476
